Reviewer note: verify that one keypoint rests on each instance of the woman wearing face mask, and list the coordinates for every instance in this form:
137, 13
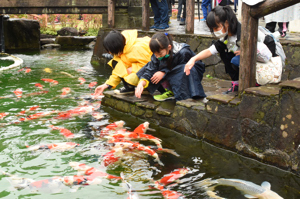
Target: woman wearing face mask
223, 23
165, 71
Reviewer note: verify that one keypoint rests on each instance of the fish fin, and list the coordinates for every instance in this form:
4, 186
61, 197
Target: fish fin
171, 151
266, 185
249, 196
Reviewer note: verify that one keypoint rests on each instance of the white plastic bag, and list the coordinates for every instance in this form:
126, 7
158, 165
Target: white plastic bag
269, 72
263, 53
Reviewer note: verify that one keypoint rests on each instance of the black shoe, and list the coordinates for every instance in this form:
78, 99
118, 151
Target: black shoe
182, 22
124, 90
233, 88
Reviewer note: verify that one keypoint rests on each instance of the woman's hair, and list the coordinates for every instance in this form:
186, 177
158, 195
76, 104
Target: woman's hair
160, 41
219, 15
114, 42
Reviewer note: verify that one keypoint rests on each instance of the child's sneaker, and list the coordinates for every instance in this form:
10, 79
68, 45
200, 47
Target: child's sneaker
165, 96
124, 90
162, 27
234, 87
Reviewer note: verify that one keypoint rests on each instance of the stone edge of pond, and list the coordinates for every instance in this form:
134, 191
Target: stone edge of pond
261, 123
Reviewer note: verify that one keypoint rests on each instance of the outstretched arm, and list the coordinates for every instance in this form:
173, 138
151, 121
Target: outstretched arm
202, 55
139, 89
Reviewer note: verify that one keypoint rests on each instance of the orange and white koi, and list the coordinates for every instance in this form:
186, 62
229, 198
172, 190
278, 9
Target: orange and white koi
65, 132
50, 81
171, 177
112, 156
142, 128
65, 91
37, 116
82, 80
18, 92
40, 86
54, 146
112, 127
92, 85
133, 136
75, 112
168, 194
97, 115
81, 180
30, 109
2, 115
84, 169
27, 70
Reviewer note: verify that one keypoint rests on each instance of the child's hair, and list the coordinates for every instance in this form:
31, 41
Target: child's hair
160, 41
114, 42
219, 15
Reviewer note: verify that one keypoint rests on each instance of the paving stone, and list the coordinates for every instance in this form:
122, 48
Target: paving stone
291, 83
264, 90
221, 98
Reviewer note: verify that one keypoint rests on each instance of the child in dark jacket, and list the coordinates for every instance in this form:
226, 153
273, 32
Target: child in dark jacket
167, 66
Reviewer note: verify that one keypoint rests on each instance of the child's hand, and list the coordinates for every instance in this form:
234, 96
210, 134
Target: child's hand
139, 89
188, 66
99, 90
238, 52
157, 77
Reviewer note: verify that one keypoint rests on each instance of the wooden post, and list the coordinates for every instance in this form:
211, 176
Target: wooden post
111, 13
190, 16
145, 15
248, 49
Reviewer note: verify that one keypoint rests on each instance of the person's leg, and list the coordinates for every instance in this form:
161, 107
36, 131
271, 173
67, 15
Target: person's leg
179, 9
182, 20
271, 26
156, 12
204, 8
283, 26
164, 17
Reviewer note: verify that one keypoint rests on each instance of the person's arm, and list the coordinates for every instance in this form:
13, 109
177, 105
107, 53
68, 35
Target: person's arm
140, 87
200, 56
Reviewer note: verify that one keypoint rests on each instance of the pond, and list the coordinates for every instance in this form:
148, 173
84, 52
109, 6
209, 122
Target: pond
200, 158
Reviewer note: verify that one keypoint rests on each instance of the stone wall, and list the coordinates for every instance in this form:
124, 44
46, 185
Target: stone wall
214, 65
262, 123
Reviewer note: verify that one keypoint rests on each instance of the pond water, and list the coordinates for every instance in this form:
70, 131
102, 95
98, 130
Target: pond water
201, 159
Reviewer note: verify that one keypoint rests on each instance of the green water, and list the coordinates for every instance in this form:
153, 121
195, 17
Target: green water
202, 159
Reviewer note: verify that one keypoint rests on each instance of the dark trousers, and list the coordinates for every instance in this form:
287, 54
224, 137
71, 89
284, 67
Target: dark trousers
160, 10
181, 3
272, 25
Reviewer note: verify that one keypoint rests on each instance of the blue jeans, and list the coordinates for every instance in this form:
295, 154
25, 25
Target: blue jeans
180, 4
160, 10
206, 5
236, 60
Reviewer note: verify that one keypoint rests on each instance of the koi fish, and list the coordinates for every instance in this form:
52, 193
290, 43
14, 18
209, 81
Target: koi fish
133, 136
171, 177
54, 147
40, 86
82, 80
65, 132
75, 112
37, 116
30, 109
92, 85
137, 146
168, 194
97, 115
65, 91
48, 70
84, 169
142, 128
18, 92
27, 70
112, 156
50, 81
2, 115
111, 127
68, 74
36, 93
249, 189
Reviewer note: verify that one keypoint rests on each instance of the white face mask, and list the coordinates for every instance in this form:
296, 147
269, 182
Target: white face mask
220, 34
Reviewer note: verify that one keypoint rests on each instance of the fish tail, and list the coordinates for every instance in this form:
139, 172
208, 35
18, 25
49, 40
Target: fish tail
171, 151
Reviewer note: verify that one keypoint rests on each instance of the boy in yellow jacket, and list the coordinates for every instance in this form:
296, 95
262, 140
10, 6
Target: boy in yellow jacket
130, 55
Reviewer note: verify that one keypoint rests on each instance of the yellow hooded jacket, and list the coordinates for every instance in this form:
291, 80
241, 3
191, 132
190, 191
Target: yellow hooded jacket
136, 54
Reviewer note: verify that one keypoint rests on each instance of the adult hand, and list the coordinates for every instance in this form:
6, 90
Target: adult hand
157, 77
99, 90
188, 66
139, 89
238, 52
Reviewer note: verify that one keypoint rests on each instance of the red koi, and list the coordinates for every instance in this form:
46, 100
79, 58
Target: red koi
82, 80
92, 85
27, 70
65, 132
171, 177
18, 92
75, 112
55, 146
37, 116
142, 128
112, 156
65, 91
2, 115
50, 81
168, 194
30, 109
40, 86
112, 127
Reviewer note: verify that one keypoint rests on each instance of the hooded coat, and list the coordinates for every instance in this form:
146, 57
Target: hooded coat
135, 55
183, 86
